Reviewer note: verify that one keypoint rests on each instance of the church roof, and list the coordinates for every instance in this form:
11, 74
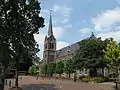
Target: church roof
72, 48
67, 50
92, 36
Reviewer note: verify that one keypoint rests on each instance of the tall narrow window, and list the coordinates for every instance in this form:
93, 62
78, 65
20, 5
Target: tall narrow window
49, 45
52, 45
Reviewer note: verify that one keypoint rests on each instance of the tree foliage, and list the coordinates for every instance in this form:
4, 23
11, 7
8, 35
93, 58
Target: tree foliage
51, 68
69, 67
44, 69
33, 70
90, 54
112, 56
60, 67
19, 21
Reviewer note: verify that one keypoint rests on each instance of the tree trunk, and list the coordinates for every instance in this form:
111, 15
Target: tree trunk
16, 81
116, 85
75, 76
69, 75
116, 80
60, 76
2, 80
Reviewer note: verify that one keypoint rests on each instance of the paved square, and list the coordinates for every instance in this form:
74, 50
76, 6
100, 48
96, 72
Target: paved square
30, 83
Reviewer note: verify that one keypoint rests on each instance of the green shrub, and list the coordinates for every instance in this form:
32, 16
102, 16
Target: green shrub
94, 79
99, 79
81, 77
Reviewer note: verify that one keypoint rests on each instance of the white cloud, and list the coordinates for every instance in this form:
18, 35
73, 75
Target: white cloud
40, 53
45, 11
39, 37
65, 20
58, 32
56, 8
61, 44
85, 31
63, 11
106, 19
68, 26
118, 1
40, 40
117, 28
115, 35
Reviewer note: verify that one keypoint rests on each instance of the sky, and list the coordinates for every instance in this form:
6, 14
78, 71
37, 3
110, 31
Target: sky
74, 20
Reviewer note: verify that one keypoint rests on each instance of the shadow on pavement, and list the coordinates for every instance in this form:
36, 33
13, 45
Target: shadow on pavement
39, 87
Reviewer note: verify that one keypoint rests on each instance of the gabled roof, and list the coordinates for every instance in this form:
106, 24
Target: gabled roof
67, 50
92, 36
72, 48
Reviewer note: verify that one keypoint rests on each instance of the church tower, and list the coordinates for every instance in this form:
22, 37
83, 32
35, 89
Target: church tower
49, 44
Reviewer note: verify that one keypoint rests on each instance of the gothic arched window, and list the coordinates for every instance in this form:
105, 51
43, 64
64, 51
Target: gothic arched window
52, 45
49, 45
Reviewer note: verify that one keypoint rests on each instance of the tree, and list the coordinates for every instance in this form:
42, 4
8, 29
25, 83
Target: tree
19, 22
33, 70
68, 67
51, 68
112, 57
59, 67
44, 69
90, 55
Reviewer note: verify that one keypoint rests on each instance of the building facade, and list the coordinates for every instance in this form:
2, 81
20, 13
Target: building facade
50, 53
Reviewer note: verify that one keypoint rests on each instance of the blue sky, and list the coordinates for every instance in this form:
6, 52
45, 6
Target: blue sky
74, 20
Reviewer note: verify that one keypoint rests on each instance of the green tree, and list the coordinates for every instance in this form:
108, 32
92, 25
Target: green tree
68, 67
33, 70
59, 67
19, 22
90, 55
44, 69
112, 57
51, 68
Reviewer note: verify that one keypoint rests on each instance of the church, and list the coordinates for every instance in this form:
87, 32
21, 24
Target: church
50, 54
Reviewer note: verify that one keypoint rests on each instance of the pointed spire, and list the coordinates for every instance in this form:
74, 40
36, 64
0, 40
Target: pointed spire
50, 32
92, 36
92, 33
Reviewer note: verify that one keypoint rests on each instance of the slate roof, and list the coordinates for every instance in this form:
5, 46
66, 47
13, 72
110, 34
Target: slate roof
67, 50
72, 48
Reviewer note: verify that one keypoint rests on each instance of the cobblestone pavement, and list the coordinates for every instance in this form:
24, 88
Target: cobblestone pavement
30, 83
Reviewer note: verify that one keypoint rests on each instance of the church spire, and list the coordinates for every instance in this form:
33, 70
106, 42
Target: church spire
50, 32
